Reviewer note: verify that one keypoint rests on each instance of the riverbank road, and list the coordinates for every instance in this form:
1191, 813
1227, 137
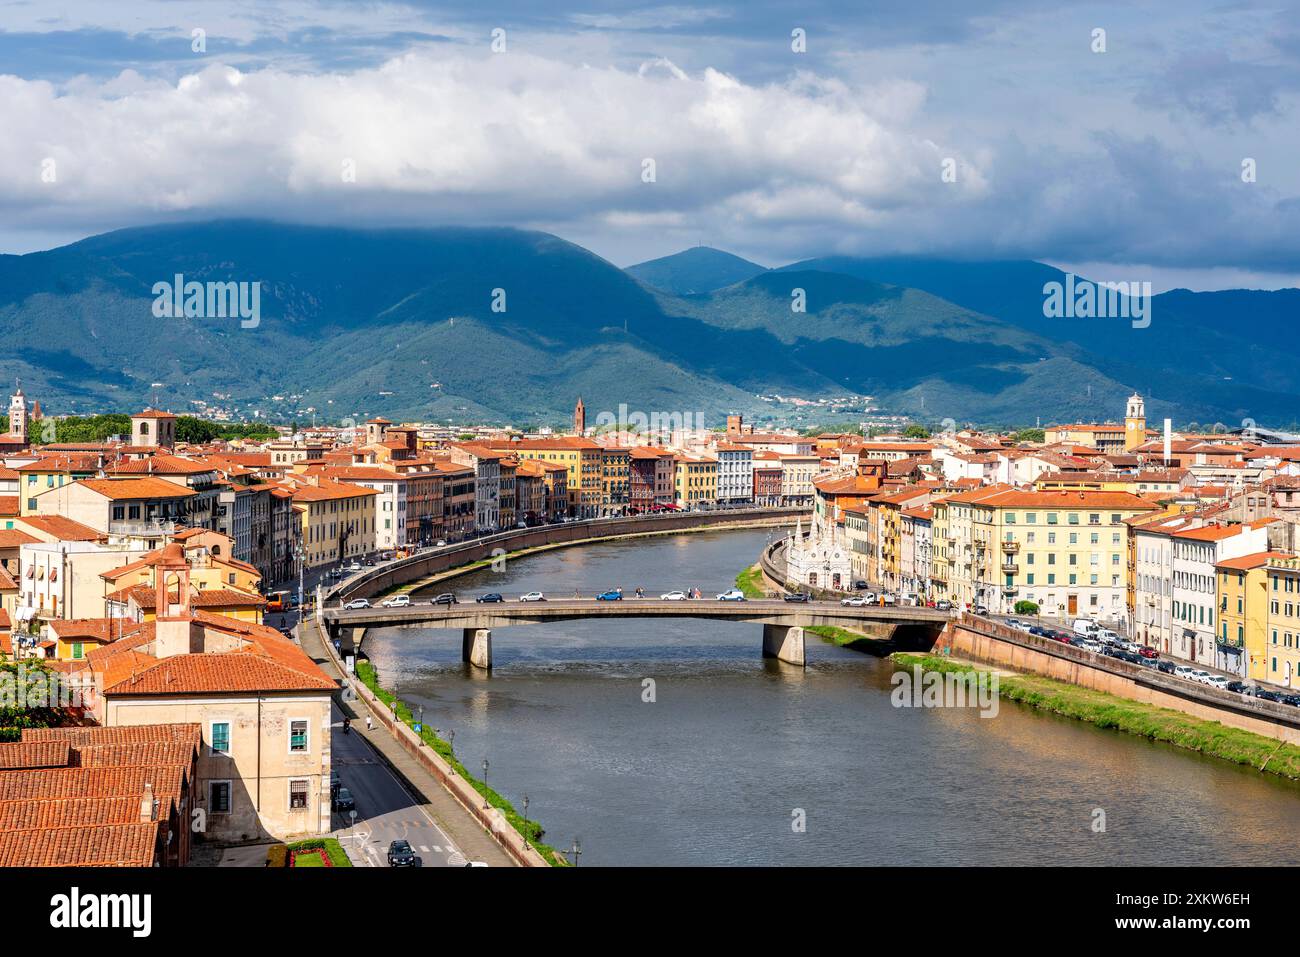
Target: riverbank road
386, 810
396, 798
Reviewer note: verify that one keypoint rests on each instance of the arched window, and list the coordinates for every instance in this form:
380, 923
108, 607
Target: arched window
812, 578
144, 428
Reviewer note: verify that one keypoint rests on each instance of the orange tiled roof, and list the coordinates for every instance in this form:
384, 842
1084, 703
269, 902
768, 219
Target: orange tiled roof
128, 488
63, 529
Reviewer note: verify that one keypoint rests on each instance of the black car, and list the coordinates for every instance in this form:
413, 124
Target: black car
1039, 630
1166, 666
400, 854
334, 783
860, 585
491, 596
446, 598
1292, 699
1267, 695
1240, 687
343, 801
798, 596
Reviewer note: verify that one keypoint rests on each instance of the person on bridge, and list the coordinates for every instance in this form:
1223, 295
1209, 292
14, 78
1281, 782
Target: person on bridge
370, 725
640, 592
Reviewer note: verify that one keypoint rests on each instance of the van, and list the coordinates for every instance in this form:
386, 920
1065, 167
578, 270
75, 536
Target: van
1086, 627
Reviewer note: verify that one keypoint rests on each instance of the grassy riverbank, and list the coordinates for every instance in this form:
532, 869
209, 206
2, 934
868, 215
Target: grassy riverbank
750, 581
849, 639
533, 832
1133, 717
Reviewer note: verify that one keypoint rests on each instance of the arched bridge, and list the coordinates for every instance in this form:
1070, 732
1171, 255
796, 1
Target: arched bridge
783, 622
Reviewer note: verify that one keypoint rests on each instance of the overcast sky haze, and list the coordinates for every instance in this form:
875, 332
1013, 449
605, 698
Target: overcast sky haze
1123, 164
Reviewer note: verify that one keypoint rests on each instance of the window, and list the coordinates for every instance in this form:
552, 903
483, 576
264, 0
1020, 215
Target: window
298, 795
298, 735
219, 734
218, 797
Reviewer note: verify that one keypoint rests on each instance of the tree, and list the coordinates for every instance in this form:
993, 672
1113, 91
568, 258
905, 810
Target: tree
1029, 435
194, 430
916, 431
1026, 608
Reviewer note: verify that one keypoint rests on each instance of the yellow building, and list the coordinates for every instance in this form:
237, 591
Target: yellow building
584, 459
338, 519
695, 480
1064, 551
1282, 629
1135, 423
1242, 597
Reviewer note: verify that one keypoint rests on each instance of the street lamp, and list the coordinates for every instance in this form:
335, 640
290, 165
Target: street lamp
485, 784
576, 851
451, 741
525, 820
300, 555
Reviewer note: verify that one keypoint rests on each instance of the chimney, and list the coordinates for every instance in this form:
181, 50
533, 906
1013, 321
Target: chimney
148, 807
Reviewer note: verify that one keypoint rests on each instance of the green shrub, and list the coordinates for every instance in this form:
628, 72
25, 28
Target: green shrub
1026, 608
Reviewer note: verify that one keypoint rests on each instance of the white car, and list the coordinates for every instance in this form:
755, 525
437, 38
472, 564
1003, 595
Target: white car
440, 544
1202, 676
358, 603
1093, 645
673, 596
397, 601
354, 567
533, 596
1217, 681
1184, 671
857, 601
734, 594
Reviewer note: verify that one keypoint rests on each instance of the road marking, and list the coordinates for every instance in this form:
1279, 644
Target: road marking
424, 849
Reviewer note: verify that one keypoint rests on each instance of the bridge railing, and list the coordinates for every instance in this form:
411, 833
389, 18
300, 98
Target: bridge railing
404, 570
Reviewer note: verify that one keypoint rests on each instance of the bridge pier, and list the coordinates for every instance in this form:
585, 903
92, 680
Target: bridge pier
784, 643
476, 647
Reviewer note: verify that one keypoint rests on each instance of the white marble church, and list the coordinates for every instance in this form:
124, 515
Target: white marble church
821, 559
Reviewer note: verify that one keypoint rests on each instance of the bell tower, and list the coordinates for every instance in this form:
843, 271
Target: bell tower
1135, 423
18, 413
172, 618
580, 418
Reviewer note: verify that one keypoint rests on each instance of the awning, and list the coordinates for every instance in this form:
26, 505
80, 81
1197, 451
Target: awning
24, 613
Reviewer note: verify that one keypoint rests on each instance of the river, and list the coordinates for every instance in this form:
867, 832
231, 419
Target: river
735, 753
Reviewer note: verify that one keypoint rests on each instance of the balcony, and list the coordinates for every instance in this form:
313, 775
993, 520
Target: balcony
1010, 590
1011, 548
149, 529
1010, 568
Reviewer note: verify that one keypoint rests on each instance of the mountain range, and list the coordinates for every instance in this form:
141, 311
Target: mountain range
503, 325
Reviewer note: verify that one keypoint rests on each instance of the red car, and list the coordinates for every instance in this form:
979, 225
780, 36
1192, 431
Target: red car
1148, 652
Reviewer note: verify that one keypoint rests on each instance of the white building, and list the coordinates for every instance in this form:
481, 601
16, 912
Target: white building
735, 472
1195, 553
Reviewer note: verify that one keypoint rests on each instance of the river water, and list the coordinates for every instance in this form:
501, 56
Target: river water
743, 761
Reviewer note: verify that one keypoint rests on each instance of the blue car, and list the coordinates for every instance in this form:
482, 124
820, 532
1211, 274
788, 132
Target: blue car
610, 596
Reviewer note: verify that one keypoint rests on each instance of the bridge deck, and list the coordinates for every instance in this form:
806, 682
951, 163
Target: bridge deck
504, 614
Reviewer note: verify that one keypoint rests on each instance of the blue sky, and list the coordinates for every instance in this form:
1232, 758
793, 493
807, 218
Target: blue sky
1125, 163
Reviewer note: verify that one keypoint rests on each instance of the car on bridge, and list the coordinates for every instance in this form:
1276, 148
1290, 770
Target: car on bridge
673, 596
446, 598
397, 601
358, 603
532, 596
490, 597
615, 595
943, 604
857, 601
732, 594
798, 596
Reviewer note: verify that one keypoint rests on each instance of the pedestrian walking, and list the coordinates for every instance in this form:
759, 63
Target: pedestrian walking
370, 725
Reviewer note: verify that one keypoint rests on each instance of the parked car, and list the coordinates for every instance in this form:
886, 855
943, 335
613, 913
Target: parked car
732, 594
1200, 676
446, 598
1092, 644
397, 601
358, 603
344, 802
980, 610
856, 601
532, 596
1039, 630
1086, 627
859, 585
440, 544
1108, 636
1167, 666
1292, 699
943, 604
1240, 687
1266, 695
354, 567
334, 784
797, 596
1147, 652
1184, 671
492, 596
401, 855
1217, 681
615, 595
1012, 623
673, 596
